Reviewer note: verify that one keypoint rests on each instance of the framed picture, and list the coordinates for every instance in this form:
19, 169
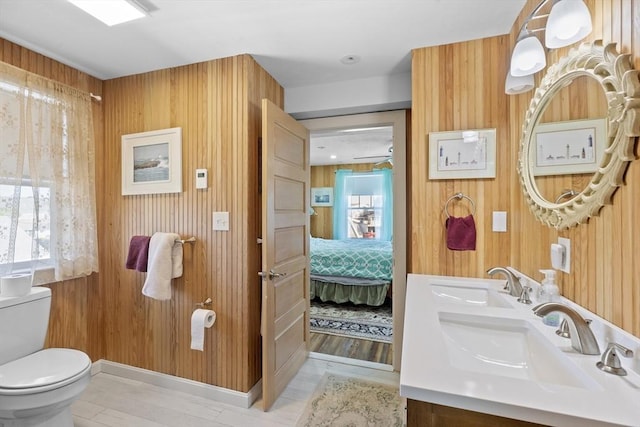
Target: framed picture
563, 148
322, 196
462, 154
152, 162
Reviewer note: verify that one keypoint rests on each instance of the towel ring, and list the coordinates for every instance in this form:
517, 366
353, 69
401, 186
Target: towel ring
459, 196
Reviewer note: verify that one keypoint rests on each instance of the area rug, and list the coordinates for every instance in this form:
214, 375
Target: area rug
354, 321
349, 402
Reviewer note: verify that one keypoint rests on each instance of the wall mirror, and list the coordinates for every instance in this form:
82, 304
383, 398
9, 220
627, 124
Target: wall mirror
579, 134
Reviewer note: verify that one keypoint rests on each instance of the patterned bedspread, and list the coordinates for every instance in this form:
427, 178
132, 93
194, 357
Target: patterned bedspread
370, 259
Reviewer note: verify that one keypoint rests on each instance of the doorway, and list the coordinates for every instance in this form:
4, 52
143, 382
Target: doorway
376, 151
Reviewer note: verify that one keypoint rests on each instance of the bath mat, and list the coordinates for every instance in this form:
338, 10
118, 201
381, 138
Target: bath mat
354, 321
350, 402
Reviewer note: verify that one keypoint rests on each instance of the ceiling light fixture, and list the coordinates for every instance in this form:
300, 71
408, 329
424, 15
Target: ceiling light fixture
111, 12
568, 22
350, 59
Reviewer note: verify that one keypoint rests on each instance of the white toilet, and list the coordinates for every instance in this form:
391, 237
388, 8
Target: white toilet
37, 386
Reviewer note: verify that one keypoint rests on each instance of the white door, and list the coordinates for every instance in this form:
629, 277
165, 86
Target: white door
285, 249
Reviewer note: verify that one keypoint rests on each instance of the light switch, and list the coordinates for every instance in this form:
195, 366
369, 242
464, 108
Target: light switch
221, 221
500, 221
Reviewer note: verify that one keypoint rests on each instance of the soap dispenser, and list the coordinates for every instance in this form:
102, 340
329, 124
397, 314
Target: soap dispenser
550, 293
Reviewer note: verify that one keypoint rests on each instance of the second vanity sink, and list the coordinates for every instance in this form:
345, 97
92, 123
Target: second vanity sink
506, 347
469, 345
468, 295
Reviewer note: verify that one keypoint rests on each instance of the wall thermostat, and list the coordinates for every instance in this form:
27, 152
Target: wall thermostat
201, 178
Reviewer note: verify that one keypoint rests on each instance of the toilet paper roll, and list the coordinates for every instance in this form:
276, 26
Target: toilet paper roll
15, 285
200, 319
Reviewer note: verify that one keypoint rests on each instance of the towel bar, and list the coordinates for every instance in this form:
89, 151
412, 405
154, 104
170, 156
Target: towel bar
183, 241
459, 196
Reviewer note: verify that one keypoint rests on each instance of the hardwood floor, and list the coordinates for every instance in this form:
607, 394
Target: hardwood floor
352, 348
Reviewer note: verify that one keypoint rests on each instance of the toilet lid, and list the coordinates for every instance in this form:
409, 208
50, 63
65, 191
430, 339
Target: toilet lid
43, 368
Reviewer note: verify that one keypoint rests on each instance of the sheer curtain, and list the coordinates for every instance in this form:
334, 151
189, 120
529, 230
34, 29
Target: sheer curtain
47, 176
377, 187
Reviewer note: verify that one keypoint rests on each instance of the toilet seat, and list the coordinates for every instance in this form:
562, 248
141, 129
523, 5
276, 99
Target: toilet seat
42, 371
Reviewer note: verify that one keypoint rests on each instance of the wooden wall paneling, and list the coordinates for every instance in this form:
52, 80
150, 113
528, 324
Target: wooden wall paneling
452, 96
215, 104
76, 311
603, 272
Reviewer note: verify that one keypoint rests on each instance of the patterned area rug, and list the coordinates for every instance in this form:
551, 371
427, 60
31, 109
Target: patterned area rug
354, 321
350, 402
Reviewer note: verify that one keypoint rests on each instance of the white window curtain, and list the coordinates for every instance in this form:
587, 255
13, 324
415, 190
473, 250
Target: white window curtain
47, 176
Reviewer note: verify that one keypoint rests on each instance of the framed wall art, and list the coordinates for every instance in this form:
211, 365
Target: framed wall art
322, 196
466, 154
152, 162
564, 148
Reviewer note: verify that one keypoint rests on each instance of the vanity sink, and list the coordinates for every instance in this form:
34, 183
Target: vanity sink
507, 347
463, 351
468, 295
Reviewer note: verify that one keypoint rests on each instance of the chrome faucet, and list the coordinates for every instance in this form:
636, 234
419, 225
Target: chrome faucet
582, 338
513, 282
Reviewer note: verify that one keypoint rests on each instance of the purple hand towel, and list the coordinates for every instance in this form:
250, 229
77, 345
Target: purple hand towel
138, 253
461, 233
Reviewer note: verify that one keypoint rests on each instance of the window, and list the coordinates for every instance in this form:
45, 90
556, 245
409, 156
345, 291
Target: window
33, 232
363, 205
47, 190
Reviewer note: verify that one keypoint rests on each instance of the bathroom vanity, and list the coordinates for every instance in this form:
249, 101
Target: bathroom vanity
473, 355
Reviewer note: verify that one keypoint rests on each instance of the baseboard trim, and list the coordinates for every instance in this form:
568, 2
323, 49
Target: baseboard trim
349, 361
208, 391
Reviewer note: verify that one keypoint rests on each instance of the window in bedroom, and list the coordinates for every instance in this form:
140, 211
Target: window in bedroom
363, 205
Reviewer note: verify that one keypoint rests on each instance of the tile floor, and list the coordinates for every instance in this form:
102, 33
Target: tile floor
115, 401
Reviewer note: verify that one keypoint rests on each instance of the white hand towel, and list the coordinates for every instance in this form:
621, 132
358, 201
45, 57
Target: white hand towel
165, 263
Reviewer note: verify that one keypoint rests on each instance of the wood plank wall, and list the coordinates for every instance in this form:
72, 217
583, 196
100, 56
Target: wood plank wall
461, 86
325, 176
75, 304
217, 104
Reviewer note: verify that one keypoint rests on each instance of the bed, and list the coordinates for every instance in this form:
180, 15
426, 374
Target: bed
355, 270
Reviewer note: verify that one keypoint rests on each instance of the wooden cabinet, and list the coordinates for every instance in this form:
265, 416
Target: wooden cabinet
424, 414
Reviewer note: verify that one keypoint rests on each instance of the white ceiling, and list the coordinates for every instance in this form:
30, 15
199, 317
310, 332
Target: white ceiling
299, 42
348, 146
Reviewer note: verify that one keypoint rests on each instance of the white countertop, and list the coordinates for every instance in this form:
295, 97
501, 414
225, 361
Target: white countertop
428, 375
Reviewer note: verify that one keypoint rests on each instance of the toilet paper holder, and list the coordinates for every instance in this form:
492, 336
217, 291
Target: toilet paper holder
205, 303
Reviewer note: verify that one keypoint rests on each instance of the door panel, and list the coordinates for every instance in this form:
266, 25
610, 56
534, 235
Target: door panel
285, 249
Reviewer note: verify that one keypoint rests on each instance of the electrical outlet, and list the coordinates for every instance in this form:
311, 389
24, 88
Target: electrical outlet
221, 221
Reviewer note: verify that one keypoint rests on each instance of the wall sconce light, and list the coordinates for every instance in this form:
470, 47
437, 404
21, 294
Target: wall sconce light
521, 84
568, 22
528, 56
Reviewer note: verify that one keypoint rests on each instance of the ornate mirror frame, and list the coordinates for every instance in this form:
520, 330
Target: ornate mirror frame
621, 86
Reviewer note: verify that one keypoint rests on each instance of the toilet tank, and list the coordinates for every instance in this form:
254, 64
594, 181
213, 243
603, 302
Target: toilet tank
23, 323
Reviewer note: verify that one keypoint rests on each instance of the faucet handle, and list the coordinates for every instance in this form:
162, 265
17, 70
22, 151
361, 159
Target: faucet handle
524, 296
611, 362
563, 330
